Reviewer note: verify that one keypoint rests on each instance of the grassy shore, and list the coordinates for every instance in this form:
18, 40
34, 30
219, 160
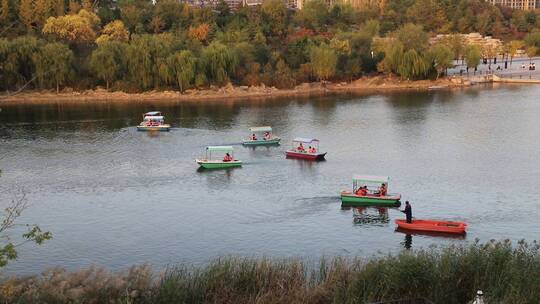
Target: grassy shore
506, 273
365, 85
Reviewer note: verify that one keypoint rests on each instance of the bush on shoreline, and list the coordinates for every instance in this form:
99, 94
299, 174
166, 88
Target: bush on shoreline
506, 274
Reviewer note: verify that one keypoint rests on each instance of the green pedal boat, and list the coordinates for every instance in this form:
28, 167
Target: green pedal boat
261, 136
227, 161
370, 191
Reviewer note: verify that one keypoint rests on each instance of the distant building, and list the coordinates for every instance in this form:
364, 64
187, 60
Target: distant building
525, 5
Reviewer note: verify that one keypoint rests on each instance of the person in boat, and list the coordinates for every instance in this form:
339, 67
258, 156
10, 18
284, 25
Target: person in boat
301, 148
408, 212
382, 190
253, 137
362, 191
266, 135
227, 158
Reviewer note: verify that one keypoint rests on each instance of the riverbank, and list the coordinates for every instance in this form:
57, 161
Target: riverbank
365, 85
505, 273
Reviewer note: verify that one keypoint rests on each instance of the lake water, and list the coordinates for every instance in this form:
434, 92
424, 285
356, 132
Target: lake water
115, 197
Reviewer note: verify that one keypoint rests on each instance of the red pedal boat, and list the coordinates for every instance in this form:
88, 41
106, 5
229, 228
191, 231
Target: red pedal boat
305, 148
433, 225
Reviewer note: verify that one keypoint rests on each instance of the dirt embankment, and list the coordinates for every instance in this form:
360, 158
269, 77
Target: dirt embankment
364, 85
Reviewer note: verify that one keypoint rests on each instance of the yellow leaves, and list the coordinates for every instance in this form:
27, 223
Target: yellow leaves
79, 28
199, 33
114, 31
341, 47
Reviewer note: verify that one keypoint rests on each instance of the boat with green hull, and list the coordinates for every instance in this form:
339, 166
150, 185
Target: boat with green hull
366, 193
228, 160
261, 136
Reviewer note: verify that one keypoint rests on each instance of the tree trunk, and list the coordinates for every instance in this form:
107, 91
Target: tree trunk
57, 87
107, 85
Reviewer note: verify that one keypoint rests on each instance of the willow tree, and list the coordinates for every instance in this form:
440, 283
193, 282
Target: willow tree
323, 61
108, 61
221, 62
145, 56
413, 65
54, 65
183, 66
18, 67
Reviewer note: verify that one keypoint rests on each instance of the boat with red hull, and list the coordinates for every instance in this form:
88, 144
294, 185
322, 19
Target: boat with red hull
298, 150
433, 226
305, 155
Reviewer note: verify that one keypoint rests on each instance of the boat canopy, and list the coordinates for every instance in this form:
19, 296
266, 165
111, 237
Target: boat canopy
371, 179
153, 118
261, 129
153, 113
219, 148
305, 140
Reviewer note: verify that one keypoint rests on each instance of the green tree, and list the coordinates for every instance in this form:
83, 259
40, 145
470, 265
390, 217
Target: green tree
314, 15
221, 62
283, 77
323, 61
54, 65
441, 56
412, 37
473, 56
183, 67
108, 61
274, 17
413, 65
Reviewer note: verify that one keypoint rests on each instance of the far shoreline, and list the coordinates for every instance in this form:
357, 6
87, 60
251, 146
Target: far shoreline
361, 86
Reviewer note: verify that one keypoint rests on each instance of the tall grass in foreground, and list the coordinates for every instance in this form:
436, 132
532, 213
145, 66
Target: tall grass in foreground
506, 274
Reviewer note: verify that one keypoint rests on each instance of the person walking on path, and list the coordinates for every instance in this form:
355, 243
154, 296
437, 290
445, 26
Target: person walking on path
408, 212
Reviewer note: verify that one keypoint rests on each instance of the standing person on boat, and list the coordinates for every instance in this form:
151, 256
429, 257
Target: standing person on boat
408, 212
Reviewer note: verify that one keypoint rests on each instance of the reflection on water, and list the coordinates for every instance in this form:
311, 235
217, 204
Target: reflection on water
370, 215
113, 196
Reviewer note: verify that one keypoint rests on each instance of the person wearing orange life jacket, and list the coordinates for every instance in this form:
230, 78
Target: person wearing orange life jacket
301, 148
227, 158
253, 137
266, 135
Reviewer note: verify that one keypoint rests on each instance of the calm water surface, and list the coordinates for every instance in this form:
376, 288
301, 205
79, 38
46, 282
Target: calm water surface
115, 197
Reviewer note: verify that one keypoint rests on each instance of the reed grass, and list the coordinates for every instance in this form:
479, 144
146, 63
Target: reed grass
507, 273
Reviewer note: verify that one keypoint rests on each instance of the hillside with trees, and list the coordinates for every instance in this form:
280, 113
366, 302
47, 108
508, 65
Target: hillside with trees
138, 45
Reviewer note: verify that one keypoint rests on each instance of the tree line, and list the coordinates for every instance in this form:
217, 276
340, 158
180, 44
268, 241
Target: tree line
138, 45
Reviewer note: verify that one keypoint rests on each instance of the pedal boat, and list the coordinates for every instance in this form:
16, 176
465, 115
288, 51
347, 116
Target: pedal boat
295, 153
208, 163
153, 121
260, 135
349, 198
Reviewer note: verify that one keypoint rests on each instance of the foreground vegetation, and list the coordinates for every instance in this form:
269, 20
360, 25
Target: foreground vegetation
139, 45
506, 274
